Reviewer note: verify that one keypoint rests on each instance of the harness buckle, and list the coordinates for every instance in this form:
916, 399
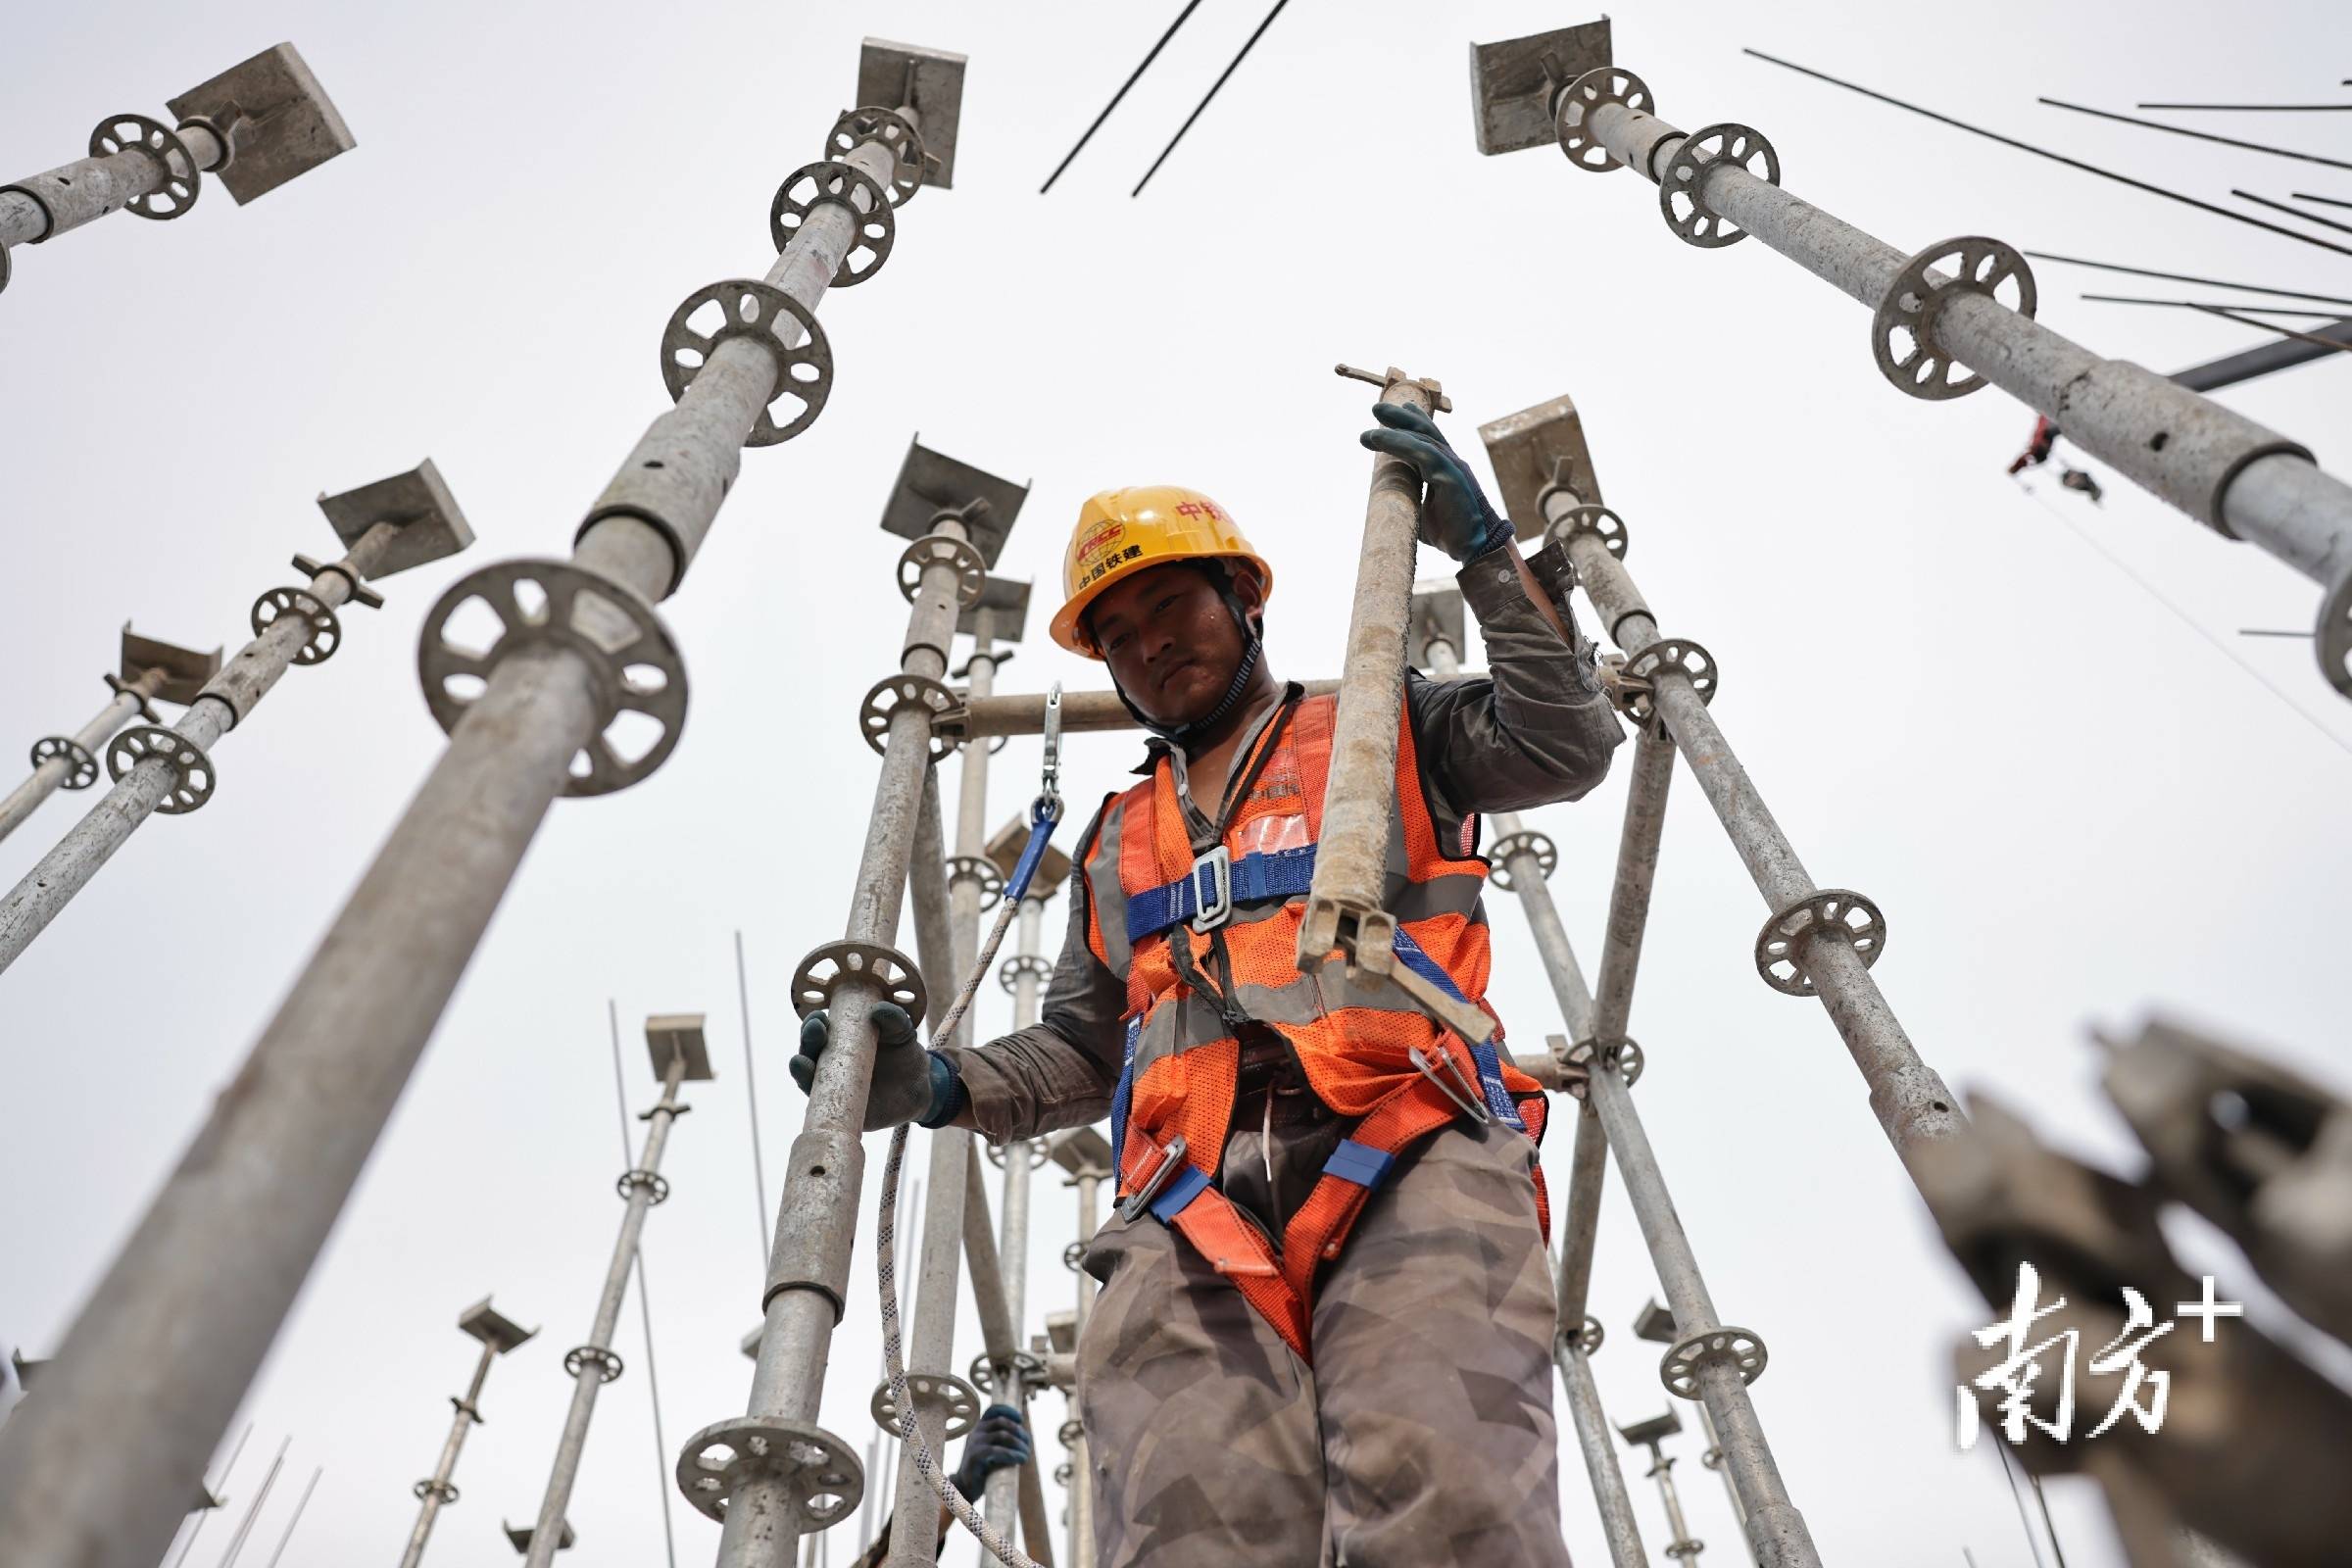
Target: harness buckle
1473, 1103
1215, 903
1171, 1160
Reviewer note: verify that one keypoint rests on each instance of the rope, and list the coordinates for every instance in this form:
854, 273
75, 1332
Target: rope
1042, 818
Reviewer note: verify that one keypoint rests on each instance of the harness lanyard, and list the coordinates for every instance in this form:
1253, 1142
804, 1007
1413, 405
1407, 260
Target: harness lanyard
1237, 789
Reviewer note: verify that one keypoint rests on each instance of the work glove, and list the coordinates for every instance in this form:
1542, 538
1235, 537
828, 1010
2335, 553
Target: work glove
910, 1084
1455, 516
999, 1442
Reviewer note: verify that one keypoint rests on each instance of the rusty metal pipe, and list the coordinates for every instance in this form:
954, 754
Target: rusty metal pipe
1344, 903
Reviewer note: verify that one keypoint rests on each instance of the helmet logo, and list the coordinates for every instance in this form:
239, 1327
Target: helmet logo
1200, 509
1093, 544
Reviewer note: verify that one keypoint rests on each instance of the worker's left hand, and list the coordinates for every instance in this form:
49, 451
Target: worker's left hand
1455, 516
1000, 1442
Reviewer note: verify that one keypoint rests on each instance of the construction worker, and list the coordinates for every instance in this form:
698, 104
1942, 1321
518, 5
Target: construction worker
1326, 1318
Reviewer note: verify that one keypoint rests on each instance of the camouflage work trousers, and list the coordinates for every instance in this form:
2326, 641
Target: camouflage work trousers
1421, 1436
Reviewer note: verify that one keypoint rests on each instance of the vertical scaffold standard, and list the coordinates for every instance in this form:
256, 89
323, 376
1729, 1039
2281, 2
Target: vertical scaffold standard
158, 1360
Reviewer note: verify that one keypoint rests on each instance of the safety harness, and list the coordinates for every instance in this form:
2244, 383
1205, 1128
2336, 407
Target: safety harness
1368, 1053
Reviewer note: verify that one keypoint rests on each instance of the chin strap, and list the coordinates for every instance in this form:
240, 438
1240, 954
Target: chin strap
1182, 735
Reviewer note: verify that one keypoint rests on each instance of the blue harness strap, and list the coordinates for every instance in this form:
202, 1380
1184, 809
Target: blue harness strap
1489, 1061
1255, 878
1120, 1095
1359, 1163
1188, 1185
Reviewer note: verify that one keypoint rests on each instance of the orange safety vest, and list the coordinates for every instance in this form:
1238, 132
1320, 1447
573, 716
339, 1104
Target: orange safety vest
1155, 913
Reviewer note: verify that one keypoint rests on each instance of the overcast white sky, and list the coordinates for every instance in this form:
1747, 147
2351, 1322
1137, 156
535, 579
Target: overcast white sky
2069, 806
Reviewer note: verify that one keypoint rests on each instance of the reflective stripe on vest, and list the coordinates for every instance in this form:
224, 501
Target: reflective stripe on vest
1353, 1035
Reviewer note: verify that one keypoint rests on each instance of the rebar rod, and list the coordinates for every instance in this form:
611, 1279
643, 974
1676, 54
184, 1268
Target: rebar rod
2234, 475
43, 892
1587, 1171
2188, 278
1346, 901
27, 796
253, 1510
751, 1092
1910, 1101
1133, 77
940, 941
160, 1357
2043, 152
592, 1365
2201, 136
1776, 1531
286, 1538
438, 1490
2291, 212
1214, 88
817, 1212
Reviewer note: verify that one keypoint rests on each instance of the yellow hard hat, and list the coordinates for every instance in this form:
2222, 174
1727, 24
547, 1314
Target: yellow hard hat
1121, 532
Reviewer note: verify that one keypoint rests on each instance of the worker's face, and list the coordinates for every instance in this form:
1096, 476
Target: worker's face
1170, 641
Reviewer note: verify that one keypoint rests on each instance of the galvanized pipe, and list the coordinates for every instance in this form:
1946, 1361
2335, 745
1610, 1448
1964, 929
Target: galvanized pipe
1082, 1475
1776, 1530
817, 1215
1910, 1101
1345, 905
438, 1490
1629, 896
2236, 476
27, 796
87, 188
1712, 1460
44, 890
588, 1372
159, 1359
1588, 1174
914, 1521
995, 1290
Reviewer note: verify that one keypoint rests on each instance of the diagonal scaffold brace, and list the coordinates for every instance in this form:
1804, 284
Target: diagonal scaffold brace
1708, 1360
256, 125
159, 1358
1947, 319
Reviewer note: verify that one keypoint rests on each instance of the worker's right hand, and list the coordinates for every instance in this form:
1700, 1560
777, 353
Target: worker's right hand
905, 1075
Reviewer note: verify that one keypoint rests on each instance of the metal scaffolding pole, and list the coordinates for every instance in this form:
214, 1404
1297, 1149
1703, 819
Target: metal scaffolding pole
946, 917
69, 762
1938, 314
388, 526
1653, 1433
1711, 1361
773, 1474
1523, 860
257, 126
1006, 1371
499, 1335
160, 1357
680, 1056
1086, 1155
1817, 941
